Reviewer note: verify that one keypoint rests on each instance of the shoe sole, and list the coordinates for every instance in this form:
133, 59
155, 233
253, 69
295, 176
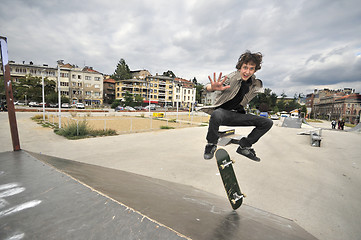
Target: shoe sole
247, 151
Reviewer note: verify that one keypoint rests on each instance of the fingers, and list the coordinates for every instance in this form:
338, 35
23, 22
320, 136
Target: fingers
224, 79
215, 80
219, 78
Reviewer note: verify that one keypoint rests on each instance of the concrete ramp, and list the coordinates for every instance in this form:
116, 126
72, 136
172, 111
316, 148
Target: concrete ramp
68, 205
357, 128
292, 122
38, 202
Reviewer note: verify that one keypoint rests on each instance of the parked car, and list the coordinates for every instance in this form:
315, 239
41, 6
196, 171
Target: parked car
264, 114
53, 105
65, 105
45, 104
151, 107
80, 105
119, 108
128, 108
275, 117
34, 104
139, 108
19, 103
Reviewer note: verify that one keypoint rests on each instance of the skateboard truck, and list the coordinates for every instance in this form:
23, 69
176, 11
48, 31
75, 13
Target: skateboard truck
237, 197
227, 163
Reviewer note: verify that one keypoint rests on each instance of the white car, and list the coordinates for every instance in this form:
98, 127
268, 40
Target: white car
80, 105
34, 104
128, 108
65, 105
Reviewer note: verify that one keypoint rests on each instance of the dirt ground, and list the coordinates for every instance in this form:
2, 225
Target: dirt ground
132, 124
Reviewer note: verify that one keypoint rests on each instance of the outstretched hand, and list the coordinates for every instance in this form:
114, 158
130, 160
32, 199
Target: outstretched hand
217, 84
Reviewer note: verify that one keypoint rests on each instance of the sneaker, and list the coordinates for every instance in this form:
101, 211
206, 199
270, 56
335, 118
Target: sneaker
209, 151
248, 152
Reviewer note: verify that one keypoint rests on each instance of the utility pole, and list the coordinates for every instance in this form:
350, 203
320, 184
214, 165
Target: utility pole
42, 93
9, 94
59, 92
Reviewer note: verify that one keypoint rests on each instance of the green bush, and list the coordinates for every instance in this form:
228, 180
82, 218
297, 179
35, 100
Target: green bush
166, 127
74, 130
82, 130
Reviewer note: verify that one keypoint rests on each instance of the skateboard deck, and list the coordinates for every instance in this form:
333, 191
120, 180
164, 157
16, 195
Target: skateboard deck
224, 141
235, 196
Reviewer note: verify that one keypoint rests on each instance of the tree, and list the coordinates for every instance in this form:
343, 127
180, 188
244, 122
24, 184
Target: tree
122, 71
169, 73
2, 88
32, 87
116, 103
128, 99
265, 101
138, 100
195, 82
199, 91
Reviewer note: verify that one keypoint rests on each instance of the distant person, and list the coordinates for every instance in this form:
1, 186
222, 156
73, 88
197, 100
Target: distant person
234, 92
333, 124
342, 124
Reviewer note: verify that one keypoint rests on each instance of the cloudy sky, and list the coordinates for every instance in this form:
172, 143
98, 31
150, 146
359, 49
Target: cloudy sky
306, 44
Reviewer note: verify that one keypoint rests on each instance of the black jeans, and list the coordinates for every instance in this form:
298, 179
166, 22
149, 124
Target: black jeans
221, 117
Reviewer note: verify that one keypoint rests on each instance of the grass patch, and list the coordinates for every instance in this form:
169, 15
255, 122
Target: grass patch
39, 117
78, 130
74, 130
314, 120
166, 127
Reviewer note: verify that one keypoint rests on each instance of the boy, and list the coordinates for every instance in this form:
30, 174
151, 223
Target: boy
234, 92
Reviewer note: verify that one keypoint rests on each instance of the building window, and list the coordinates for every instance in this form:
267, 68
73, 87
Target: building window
88, 78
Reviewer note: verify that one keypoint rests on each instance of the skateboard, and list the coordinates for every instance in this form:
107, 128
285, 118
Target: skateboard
229, 179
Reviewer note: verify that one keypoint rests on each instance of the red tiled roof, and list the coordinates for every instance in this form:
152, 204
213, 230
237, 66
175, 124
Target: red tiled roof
351, 96
109, 80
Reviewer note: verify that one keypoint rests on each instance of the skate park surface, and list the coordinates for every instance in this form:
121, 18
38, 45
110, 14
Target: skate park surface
295, 192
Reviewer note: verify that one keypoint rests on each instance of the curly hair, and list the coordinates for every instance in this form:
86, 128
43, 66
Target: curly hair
248, 57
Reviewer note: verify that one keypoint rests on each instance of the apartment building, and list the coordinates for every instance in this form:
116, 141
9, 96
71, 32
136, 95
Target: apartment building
108, 90
336, 104
20, 70
83, 85
184, 93
158, 89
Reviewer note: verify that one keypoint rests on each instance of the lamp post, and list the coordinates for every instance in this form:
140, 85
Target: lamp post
42, 82
59, 94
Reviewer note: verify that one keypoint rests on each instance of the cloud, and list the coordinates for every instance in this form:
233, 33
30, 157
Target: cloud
306, 44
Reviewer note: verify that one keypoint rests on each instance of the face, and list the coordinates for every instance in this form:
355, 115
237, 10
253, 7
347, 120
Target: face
247, 70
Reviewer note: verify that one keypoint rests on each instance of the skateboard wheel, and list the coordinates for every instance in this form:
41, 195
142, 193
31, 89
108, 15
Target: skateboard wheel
244, 195
233, 161
233, 201
222, 166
